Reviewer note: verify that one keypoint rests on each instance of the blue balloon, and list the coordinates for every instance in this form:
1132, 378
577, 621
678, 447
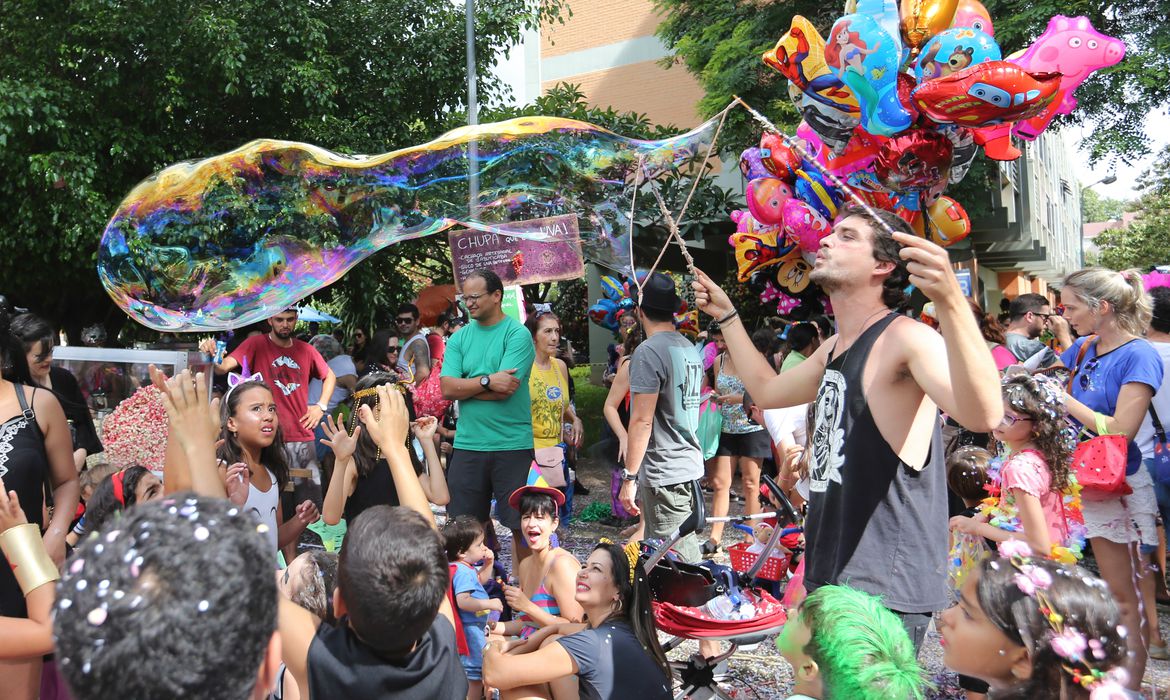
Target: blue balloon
604, 314
953, 50
612, 287
816, 192
866, 58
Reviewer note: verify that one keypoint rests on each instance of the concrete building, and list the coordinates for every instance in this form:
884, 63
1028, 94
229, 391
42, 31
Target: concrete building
608, 48
1032, 238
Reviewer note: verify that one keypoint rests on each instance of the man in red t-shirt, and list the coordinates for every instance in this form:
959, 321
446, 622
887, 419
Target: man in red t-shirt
287, 365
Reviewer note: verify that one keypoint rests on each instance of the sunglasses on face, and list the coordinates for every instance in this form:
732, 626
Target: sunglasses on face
391, 349
404, 321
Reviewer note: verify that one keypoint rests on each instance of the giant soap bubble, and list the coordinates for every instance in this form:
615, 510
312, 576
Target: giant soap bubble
230, 240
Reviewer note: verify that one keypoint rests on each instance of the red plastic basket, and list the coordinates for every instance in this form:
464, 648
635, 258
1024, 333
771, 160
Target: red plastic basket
742, 561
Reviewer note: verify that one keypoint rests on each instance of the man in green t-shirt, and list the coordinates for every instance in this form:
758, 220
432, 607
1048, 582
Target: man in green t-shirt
485, 368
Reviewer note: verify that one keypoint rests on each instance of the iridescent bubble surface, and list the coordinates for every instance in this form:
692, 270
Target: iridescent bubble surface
226, 241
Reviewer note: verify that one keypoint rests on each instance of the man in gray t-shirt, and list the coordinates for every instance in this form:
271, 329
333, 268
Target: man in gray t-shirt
1028, 317
663, 455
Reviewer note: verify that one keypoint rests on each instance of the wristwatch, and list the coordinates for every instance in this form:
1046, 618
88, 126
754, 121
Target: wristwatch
627, 476
324, 408
485, 382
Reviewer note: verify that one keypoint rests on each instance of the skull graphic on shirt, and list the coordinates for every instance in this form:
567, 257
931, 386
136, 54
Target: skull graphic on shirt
828, 436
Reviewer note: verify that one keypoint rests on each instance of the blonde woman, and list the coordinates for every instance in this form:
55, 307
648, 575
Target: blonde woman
1115, 375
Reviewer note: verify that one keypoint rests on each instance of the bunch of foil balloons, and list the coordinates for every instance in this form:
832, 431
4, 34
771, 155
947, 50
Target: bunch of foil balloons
896, 104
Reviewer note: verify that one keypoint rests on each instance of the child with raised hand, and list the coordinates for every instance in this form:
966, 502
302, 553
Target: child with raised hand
465, 549
1038, 499
1036, 630
361, 476
394, 636
252, 445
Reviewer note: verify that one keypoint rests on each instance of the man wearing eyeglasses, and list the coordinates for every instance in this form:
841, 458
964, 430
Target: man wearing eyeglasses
414, 360
1028, 317
485, 368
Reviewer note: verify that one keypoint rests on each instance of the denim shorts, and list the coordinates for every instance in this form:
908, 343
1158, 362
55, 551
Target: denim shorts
476, 641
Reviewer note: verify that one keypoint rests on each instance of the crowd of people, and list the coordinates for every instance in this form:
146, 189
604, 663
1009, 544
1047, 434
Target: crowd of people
933, 463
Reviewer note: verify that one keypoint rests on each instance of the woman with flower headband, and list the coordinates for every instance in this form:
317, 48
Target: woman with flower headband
1036, 630
1115, 375
253, 460
614, 654
1036, 498
361, 477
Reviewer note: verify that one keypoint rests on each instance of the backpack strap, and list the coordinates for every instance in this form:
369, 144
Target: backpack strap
1159, 431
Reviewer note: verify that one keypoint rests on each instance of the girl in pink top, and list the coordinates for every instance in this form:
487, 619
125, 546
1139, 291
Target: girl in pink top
1034, 495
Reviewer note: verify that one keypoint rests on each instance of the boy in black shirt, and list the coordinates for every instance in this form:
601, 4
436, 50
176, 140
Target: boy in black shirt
395, 638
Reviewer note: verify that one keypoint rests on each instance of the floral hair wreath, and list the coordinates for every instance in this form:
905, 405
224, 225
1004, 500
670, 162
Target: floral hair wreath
1067, 641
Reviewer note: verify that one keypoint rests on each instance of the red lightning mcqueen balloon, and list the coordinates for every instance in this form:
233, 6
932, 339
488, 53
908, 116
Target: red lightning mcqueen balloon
985, 94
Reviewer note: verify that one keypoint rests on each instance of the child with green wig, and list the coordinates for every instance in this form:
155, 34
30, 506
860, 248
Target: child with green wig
844, 644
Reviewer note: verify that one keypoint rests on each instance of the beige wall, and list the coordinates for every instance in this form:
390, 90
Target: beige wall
666, 96
597, 23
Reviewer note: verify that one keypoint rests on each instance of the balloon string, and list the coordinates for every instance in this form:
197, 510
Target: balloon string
630, 235
795, 145
671, 221
674, 235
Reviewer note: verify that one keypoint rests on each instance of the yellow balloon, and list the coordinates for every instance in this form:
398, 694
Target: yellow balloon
949, 222
922, 19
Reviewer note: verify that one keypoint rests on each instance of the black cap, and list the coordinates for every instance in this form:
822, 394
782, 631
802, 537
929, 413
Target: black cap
658, 294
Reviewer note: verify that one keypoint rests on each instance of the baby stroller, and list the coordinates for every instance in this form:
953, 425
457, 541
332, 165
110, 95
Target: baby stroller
684, 594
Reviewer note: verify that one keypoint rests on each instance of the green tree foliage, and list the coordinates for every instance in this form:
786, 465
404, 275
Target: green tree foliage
1146, 241
1094, 207
1142, 244
98, 95
720, 42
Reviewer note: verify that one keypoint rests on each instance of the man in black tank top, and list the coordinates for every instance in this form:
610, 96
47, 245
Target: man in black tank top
877, 517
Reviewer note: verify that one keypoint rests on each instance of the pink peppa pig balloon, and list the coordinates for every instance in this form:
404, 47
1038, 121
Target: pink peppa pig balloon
765, 199
804, 226
1072, 47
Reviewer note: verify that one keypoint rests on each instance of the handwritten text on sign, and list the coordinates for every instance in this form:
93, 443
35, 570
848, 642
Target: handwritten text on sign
556, 255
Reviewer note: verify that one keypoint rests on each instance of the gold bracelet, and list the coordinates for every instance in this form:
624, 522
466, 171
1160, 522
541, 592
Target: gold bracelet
26, 554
